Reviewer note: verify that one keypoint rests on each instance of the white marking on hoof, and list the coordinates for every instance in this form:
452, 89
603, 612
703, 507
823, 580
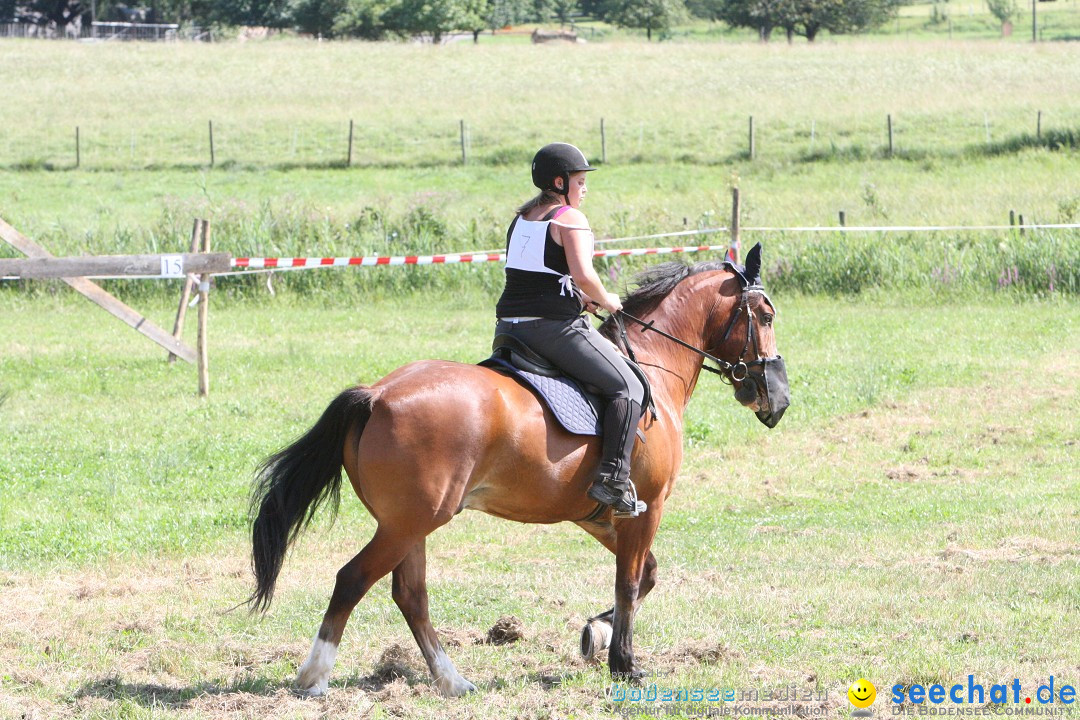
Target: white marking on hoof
595, 636
447, 679
313, 677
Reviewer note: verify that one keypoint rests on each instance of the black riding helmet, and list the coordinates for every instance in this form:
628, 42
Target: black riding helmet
557, 160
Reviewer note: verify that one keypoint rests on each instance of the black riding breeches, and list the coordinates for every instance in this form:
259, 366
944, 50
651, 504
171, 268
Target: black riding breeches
576, 348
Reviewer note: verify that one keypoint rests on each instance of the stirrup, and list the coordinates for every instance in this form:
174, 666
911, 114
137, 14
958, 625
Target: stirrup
604, 493
639, 505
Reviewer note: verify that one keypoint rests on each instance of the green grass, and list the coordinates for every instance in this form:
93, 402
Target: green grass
964, 116
911, 519
286, 104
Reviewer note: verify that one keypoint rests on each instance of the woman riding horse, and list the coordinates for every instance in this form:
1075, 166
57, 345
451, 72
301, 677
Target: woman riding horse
549, 278
434, 438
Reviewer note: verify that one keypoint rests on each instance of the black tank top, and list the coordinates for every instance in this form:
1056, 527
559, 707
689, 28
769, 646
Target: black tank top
538, 282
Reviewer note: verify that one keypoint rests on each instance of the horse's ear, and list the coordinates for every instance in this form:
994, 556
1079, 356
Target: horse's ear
753, 264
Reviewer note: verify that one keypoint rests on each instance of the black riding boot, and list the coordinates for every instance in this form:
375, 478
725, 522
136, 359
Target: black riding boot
612, 485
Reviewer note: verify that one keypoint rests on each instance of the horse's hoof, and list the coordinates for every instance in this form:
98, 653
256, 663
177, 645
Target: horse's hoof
595, 636
454, 687
314, 691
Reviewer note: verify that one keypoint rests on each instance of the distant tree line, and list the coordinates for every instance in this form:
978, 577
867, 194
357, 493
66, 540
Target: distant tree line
382, 19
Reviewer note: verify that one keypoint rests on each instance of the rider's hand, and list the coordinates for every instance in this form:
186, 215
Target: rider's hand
611, 303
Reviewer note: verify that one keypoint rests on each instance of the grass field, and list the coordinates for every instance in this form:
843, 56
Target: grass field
912, 519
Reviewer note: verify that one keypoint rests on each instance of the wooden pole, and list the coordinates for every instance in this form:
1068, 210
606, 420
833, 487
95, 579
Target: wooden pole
889, 117
603, 143
348, 163
735, 209
98, 296
1034, 22
204, 311
1038, 126
84, 266
211, 122
753, 150
1012, 218
464, 154
78, 148
1021, 218
843, 219
185, 293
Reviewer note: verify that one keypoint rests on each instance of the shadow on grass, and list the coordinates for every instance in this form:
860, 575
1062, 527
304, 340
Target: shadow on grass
153, 695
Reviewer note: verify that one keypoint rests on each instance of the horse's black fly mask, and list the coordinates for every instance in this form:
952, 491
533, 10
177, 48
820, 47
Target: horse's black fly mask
762, 375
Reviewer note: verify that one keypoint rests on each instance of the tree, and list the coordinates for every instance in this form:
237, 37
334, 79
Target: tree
841, 17
501, 13
1003, 10
802, 17
564, 10
761, 15
53, 13
651, 15
259, 13
367, 19
318, 17
421, 17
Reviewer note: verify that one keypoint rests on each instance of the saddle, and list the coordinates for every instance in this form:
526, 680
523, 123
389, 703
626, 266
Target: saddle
577, 406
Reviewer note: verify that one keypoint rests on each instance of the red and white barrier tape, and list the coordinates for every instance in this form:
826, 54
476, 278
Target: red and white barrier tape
448, 259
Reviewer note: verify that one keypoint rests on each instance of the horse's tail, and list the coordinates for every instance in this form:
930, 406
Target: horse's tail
291, 484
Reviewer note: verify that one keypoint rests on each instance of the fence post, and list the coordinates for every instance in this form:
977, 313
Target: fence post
189, 281
464, 154
603, 143
735, 208
211, 124
890, 135
843, 219
752, 148
348, 162
78, 148
204, 311
1038, 126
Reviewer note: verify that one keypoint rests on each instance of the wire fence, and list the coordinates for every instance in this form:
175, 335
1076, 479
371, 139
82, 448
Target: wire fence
373, 142
107, 32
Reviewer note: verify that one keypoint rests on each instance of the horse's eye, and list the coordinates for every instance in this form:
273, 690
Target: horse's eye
767, 318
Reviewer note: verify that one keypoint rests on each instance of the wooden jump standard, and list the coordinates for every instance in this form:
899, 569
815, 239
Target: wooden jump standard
40, 263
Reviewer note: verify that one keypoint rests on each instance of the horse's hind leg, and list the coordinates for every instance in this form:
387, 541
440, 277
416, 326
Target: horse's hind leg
381, 555
410, 594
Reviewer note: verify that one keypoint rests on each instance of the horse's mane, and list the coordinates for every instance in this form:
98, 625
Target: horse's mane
652, 285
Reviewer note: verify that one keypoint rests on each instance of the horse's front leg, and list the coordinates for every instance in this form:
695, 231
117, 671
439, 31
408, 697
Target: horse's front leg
635, 537
596, 635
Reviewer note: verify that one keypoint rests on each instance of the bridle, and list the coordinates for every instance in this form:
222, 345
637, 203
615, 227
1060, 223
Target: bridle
767, 374
728, 372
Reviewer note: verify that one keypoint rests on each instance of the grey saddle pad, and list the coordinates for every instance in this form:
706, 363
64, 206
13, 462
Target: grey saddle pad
576, 410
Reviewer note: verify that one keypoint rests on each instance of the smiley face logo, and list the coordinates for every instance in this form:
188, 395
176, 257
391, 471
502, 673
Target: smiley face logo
862, 693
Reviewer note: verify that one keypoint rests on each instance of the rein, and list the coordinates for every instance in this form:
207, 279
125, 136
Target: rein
728, 371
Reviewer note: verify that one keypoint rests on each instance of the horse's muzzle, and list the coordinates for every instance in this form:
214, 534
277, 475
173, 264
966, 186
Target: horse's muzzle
773, 384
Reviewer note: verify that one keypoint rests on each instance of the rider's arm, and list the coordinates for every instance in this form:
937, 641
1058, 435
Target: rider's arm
577, 240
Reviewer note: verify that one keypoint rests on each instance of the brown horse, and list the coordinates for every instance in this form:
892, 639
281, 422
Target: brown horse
433, 438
